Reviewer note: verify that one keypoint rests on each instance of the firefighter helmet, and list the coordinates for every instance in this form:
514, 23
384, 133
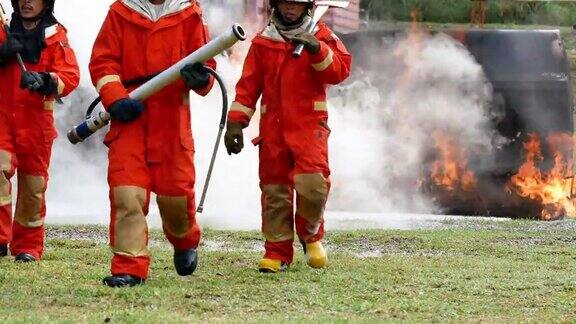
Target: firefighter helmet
48, 5
274, 3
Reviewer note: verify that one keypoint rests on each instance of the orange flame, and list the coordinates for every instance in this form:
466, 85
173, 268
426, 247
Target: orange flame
553, 189
411, 48
450, 170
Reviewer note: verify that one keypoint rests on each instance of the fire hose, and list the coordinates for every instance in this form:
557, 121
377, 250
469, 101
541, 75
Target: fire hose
95, 122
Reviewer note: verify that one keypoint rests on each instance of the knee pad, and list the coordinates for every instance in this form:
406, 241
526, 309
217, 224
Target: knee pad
130, 229
30, 200
5, 175
277, 209
174, 213
312, 189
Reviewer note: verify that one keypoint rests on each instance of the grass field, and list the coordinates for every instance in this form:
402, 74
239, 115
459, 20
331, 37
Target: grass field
469, 271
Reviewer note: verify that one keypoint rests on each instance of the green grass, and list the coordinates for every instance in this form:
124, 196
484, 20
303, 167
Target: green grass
478, 271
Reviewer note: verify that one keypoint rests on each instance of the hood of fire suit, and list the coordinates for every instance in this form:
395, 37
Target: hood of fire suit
290, 30
34, 40
155, 12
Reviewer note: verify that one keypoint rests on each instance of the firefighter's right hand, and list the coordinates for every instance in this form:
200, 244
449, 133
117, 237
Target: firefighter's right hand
126, 110
32, 81
10, 48
234, 139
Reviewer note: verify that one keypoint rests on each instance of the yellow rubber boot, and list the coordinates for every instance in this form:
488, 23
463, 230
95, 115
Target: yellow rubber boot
316, 255
271, 266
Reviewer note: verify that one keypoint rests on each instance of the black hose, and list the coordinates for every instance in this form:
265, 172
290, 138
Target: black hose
224, 96
92, 106
220, 130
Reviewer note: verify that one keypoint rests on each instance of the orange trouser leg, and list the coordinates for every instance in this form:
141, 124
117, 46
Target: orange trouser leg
173, 181
312, 193
129, 181
129, 231
311, 179
28, 227
276, 165
32, 175
7, 167
5, 198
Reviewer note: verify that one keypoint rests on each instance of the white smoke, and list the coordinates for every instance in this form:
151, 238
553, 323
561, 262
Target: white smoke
384, 120
381, 127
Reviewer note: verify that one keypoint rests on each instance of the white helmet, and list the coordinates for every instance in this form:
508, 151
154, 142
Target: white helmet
274, 3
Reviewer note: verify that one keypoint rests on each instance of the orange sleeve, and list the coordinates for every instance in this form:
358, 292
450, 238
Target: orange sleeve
65, 68
105, 63
248, 89
200, 37
333, 62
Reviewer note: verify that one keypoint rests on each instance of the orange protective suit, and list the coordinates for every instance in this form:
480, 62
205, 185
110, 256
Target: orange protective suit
294, 132
154, 152
26, 135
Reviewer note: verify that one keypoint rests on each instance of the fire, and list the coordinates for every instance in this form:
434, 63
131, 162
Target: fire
411, 49
542, 186
552, 189
450, 170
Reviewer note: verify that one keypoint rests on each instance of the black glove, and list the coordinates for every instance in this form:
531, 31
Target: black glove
195, 75
126, 109
41, 82
310, 42
10, 48
234, 139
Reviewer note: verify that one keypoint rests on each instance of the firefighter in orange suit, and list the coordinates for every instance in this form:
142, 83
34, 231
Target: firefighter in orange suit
293, 139
150, 143
27, 131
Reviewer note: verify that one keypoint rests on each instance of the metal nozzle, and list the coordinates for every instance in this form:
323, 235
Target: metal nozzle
239, 32
73, 136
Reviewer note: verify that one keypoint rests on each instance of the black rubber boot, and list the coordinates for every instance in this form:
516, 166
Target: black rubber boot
3, 250
185, 261
24, 257
122, 281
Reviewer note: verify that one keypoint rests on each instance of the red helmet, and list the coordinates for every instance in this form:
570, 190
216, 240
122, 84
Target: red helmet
48, 5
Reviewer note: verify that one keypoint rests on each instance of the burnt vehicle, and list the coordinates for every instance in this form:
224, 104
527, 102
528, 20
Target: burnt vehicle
531, 89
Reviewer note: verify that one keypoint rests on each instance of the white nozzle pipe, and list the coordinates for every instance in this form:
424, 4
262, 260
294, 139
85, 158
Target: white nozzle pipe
159, 82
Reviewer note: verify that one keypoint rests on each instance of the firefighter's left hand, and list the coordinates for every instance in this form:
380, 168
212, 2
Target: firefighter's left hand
195, 76
310, 42
41, 82
234, 138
